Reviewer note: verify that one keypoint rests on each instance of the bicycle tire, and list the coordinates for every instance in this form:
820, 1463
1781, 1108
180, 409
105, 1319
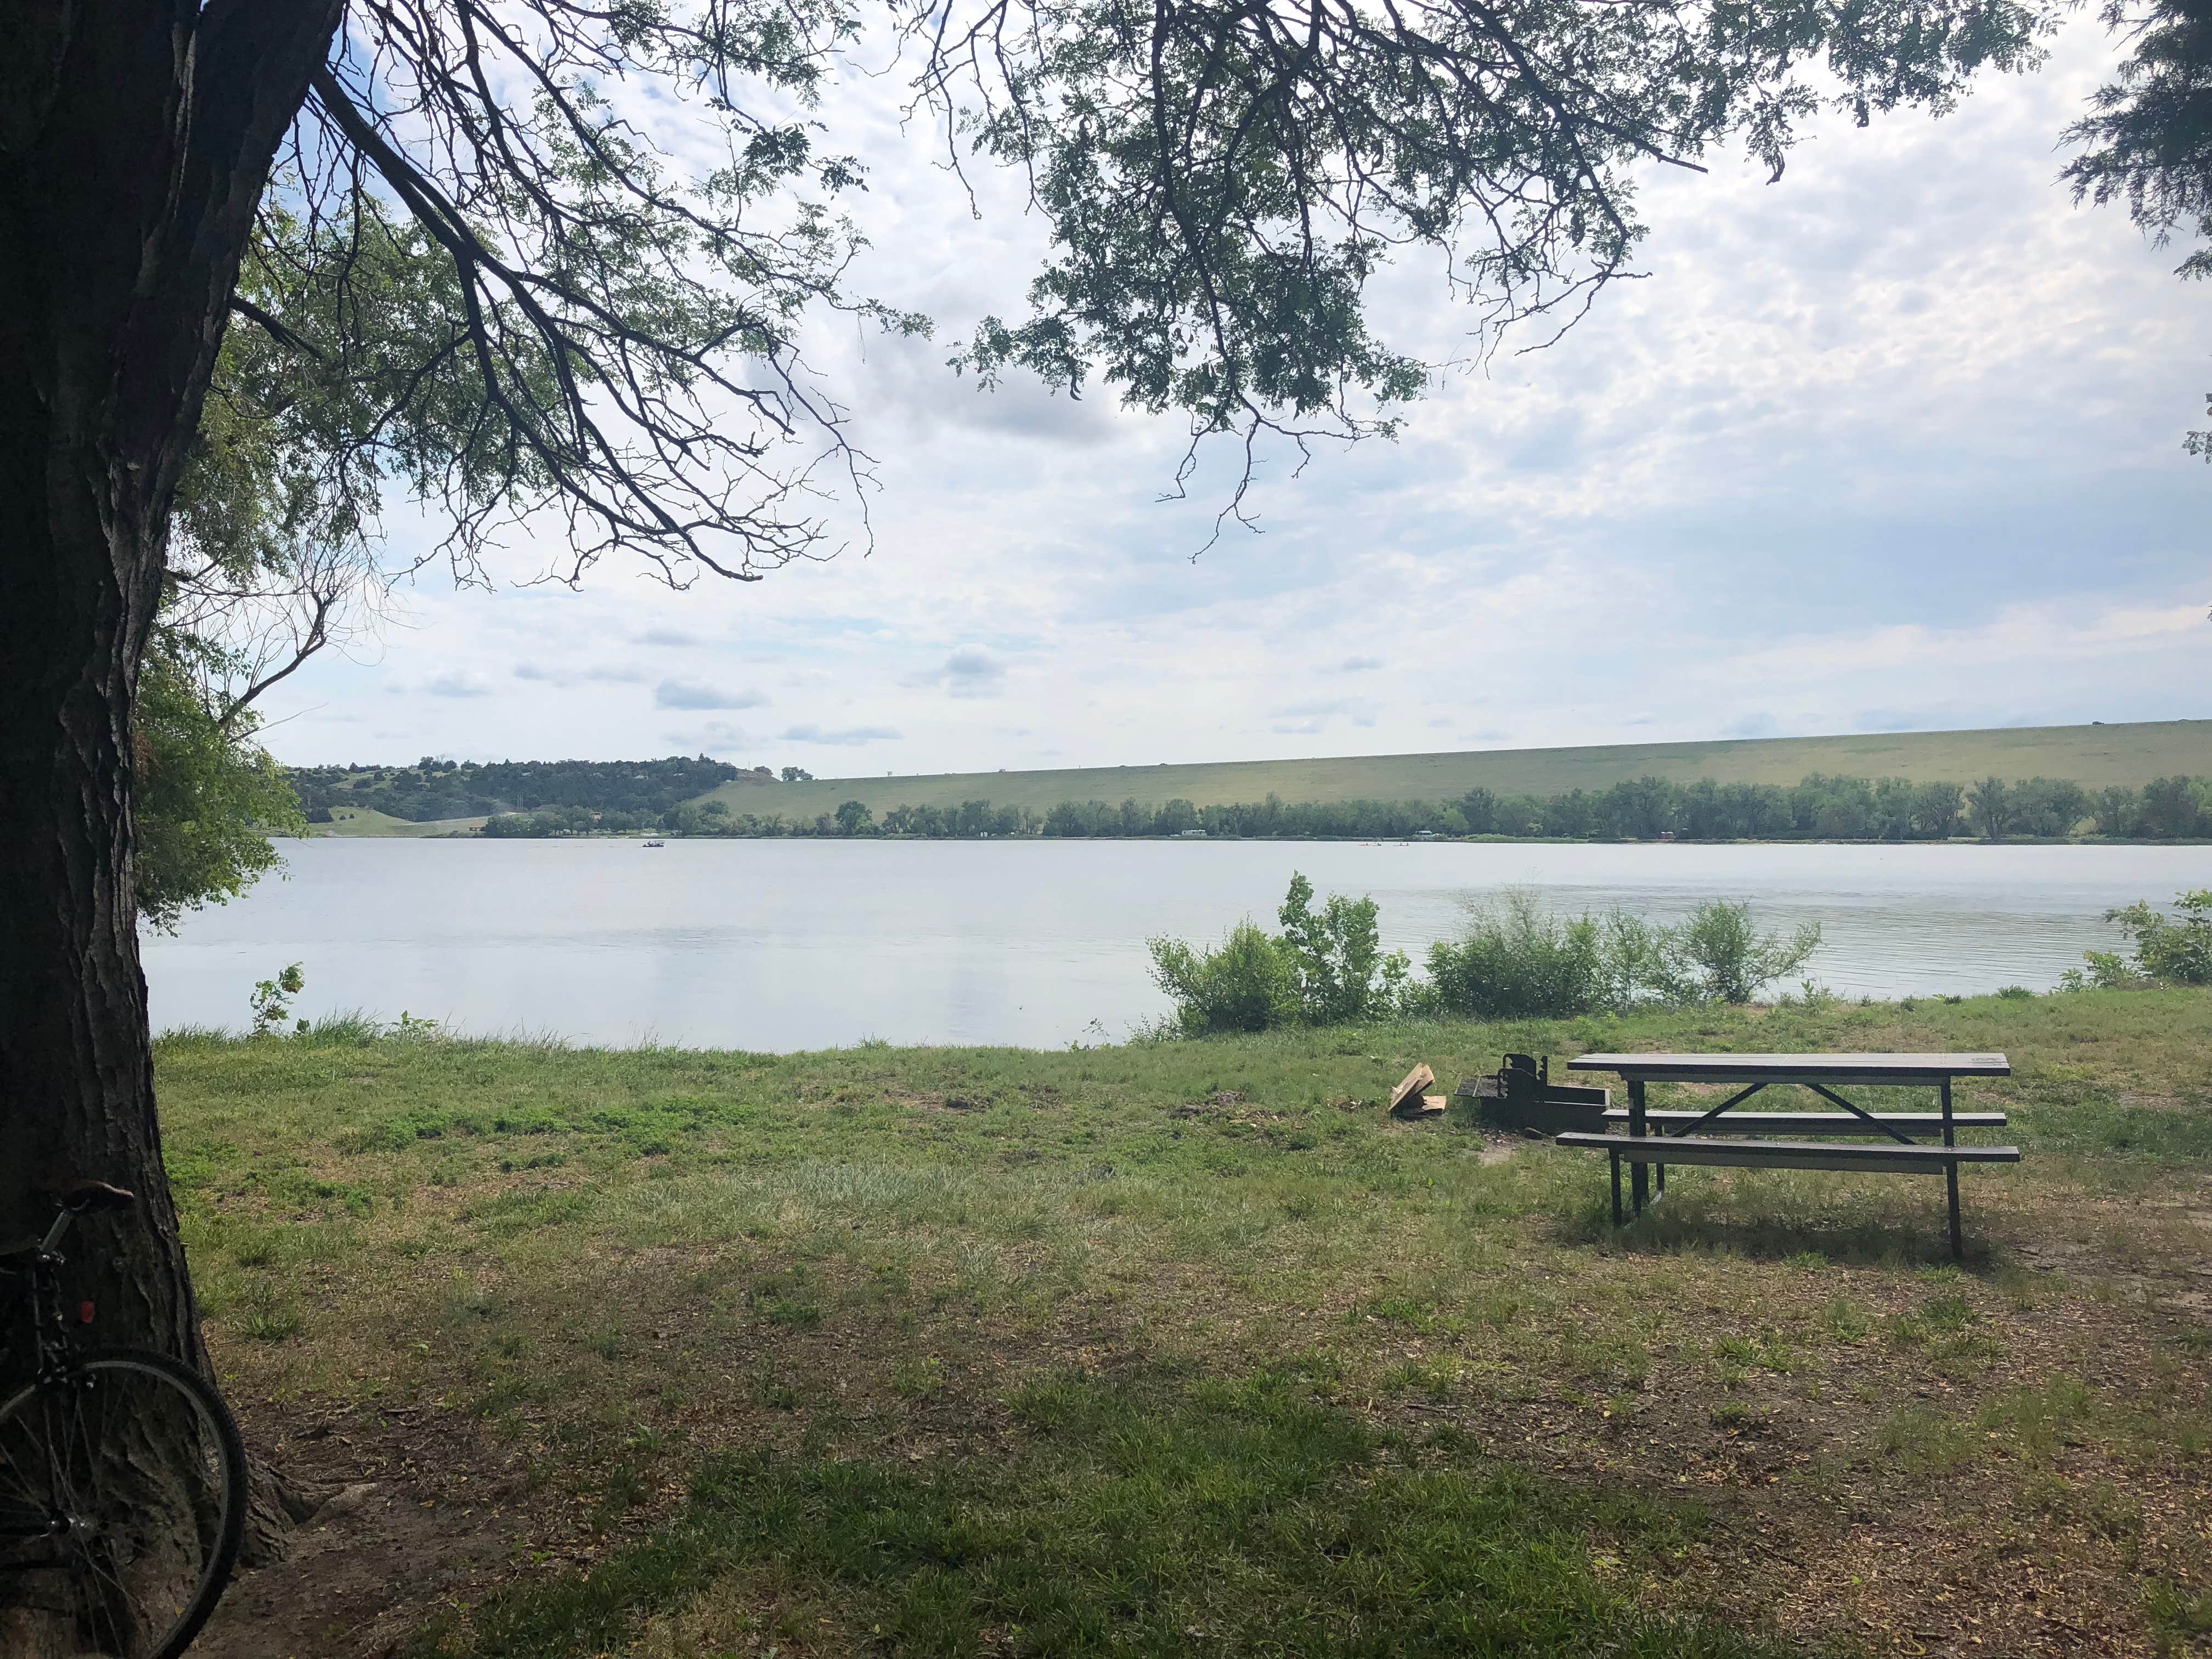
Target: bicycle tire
214, 1482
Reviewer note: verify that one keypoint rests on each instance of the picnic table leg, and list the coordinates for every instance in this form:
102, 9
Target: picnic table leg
1614, 1158
1640, 1176
1951, 1176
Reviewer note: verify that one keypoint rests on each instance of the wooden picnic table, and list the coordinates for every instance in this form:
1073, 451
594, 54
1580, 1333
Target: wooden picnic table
1653, 1140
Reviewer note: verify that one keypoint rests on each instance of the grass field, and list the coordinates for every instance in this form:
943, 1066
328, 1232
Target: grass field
2091, 756
367, 821
1187, 1349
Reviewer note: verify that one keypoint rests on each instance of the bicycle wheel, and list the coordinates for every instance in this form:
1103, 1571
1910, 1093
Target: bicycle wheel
122, 1502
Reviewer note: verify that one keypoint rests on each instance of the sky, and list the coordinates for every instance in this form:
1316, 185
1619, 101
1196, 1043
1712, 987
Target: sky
1893, 444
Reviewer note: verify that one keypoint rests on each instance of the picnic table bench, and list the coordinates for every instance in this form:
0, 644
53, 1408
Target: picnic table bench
1655, 1139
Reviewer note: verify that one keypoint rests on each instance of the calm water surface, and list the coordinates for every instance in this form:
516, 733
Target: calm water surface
774, 944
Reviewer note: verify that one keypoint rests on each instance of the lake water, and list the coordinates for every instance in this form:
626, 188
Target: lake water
785, 945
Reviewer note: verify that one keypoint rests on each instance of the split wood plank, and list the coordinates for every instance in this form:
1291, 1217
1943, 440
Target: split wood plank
1415, 1083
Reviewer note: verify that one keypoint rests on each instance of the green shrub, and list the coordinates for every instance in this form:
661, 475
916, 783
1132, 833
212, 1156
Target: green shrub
2169, 950
1326, 968
2108, 970
1716, 955
2178, 949
1344, 977
1517, 959
1249, 983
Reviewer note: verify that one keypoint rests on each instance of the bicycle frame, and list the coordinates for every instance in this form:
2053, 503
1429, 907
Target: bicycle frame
51, 1348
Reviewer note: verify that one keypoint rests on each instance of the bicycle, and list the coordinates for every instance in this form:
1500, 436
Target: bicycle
122, 1481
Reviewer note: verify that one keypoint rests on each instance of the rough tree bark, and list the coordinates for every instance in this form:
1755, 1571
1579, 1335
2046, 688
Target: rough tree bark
136, 138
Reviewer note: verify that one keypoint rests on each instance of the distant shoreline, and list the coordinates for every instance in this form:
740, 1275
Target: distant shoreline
434, 831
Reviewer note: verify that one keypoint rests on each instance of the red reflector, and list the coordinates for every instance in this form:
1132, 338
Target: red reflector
84, 1312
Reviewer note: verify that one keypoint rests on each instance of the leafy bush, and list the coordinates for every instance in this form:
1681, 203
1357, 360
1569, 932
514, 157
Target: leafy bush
1518, 960
272, 1000
2169, 950
1716, 955
2108, 970
1343, 975
1326, 968
1249, 983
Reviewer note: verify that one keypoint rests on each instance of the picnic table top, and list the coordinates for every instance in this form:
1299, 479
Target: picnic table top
1786, 1069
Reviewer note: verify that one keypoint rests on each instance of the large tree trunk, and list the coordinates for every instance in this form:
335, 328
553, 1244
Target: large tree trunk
136, 138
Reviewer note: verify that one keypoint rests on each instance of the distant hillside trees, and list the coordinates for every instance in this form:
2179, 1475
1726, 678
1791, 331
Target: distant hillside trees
970, 820
1820, 807
585, 799
432, 789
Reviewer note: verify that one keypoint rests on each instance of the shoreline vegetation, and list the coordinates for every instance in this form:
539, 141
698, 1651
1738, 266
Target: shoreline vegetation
1516, 960
664, 1354
1821, 807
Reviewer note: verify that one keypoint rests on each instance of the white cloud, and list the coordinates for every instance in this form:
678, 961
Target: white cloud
612, 674
1312, 717
457, 686
721, 738
970, 671
693, 694
851, 735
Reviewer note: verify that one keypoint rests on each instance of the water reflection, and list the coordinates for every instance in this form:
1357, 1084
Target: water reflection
798, 944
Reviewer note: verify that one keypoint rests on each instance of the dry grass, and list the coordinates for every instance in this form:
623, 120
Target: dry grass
561, 1305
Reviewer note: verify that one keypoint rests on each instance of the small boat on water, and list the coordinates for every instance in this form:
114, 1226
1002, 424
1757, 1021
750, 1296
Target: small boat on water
656, 843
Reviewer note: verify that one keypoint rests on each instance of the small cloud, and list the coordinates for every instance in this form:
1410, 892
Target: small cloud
1306, 718
1358, 665
1761, 725
667, 636
606, 674
970, 671
457, 686
692, 694
851, 737
711, 737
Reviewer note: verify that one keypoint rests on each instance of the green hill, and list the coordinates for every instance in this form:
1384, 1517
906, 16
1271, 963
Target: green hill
2091, 756
367, 821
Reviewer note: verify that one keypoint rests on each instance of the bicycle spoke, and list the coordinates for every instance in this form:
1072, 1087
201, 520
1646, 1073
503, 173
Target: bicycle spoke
134, 1637
127, 1455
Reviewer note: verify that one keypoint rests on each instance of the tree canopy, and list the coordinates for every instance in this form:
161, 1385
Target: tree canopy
514, 292
2148, 138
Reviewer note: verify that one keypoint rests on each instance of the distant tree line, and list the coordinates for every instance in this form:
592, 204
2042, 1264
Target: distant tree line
637, 792
973, 820
1821, 807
